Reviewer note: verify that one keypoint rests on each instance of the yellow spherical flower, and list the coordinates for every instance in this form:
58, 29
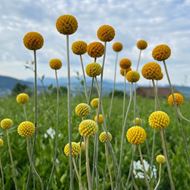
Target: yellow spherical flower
151, 71
22, 98
67, 24
106, 33
82, 145
79, 47
136, 135
161, 52
159, 120
100, 119
160, 76
105, 137
125, 63
132, 76
26, 129
137, 121
142, 44
82, 110
74, 151
160, 159
6, 123
178, 99
95, 49
33, 40
1, 142
117, 46
125, 71
93, 69
94, 103
87, 128
55, 64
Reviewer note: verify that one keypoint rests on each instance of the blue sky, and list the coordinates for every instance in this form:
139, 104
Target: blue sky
161, 21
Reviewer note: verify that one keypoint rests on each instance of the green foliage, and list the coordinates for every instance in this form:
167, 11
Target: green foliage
19, 88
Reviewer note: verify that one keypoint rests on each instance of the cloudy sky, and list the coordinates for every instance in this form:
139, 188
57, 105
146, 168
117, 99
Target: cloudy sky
161, 21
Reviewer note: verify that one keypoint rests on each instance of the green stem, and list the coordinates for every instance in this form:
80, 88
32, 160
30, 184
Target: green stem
12, 162
92, 84
139, 58
24, 110
77, 174
124, 98
2, 174
135, 99
159, 177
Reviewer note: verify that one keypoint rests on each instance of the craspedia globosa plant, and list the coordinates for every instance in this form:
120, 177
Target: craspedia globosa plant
1, 142
55, 64
105, 137
160, 159
95, 49
94, 103
123, 72
142, 44
136, 135
26, 129
79, 47
178, 99
82, 110
106, 33
22, 98
93, 69
99, 119
33, 40
66, 24
159, 120
161, 52
132, 76
75, 149
117, 46
6, 123
125, 63
88, 128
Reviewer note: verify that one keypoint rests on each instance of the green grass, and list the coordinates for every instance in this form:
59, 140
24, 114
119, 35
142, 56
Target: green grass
44, 146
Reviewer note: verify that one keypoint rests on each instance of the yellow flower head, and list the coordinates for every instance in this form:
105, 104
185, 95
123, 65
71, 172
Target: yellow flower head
67, 24
106, 33
132, 76
151, 71
136, 135
178, 99
95, 49
94, 103
100, 119
6, 123
125, 63
22, 98
160, 159
160, 76
105, 137
93, 69
33, 40
1, 142
142, 44
117, 46
87, 128
82, 145
159, 120
137, 121
82, 110
123, 72
79, 47
55, 64
26, 129
161, 52
74, 151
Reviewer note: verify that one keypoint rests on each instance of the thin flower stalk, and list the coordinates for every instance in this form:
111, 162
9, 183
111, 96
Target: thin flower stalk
159, 177
2, 175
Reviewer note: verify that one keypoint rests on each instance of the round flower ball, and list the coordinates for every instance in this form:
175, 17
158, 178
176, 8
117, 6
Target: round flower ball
142, 44
117, 46
82, 110
94, 103
105, 137
74, 151
160, 159
106, 33
6, 123
66, 24
136, 135
137, 121
159, 120
26, 129
161, 52
95, 49
132, 76
79, 47
33, 40
160, 76
123, 72
88, 128
93, 69
22, 98
82, 145
55, 64
178, 99
99, 119
1, 142
125, 63
151, 71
